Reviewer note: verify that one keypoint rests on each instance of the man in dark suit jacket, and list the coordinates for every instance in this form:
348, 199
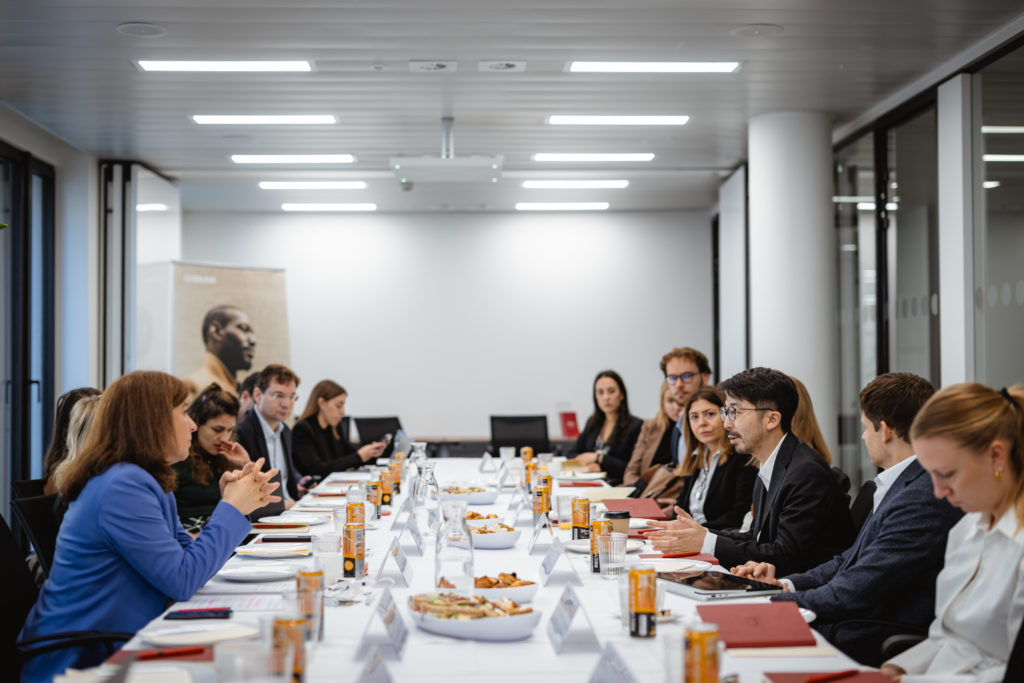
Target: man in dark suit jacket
889, 573
800, 513
264, 434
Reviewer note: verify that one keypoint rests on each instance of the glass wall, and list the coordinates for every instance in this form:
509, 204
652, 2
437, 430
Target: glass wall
999, 226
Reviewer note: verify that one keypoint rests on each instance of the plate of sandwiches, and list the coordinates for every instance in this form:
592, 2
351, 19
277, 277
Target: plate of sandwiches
473, 617
505, 587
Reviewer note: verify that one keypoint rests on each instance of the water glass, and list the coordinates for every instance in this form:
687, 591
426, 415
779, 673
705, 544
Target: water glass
507, 454
327, 554
611, 550
544, 459
247, 660
564, 511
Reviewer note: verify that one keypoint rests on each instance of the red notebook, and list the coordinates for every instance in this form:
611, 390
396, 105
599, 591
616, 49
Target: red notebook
774, 624
640, 508
578, 484
699, 557
859, 677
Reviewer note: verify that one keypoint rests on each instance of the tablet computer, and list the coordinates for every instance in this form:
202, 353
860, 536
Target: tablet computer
708, 585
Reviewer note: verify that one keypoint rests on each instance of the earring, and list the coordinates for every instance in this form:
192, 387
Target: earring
999, 474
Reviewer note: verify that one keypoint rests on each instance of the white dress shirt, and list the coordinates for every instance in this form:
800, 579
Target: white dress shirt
764, 473
886, 478
699, 492
979, 604
275, 452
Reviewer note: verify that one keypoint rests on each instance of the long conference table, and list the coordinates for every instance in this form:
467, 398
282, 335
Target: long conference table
356, 641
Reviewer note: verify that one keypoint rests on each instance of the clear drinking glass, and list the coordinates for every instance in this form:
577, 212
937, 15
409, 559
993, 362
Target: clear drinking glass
564, 511
247, 660
356, 494
611, 550
453, 561
327, 555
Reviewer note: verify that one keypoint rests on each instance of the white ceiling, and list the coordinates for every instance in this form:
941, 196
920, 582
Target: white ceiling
63, 65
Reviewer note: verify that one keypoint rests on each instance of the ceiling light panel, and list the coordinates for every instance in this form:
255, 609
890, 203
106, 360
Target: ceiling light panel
293, 158
655, 67
264, 119
575, 184
1003, 157
222, 66
562, 206
147, 208
602, 120
560, 156
1017, 130
324, 207
312, 185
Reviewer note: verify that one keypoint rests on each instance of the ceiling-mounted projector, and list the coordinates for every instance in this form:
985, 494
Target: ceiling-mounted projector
447, 168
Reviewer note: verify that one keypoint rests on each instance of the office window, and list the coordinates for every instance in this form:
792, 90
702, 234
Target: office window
999, 226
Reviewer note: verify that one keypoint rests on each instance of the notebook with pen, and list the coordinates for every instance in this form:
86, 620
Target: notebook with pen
772, 624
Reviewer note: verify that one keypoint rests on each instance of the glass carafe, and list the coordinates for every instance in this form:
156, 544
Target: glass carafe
453, 561
427, 500
414, 463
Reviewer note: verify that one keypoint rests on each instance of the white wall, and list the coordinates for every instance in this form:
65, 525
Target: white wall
732, 274
445, 319
76, 221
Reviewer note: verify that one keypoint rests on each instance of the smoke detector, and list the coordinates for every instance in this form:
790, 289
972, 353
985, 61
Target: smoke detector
501, 65
431, 66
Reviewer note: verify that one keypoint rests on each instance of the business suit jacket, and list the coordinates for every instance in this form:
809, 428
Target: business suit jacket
249, 433
887, 574
729, 493
803, 519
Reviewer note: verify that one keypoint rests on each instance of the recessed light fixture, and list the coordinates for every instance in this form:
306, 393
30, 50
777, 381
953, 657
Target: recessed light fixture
600, 120
1003, 157
562, 206
991, 184
138, 29
293, 158
312, 185
559, 156
575, 184
220, 66
328, 207
655, 67
263, 119
1003, 129
757, 31
146, 208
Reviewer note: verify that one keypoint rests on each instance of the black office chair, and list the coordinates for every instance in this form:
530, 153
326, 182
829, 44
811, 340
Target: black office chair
1015, 665
17, 598
26, 488
520, 430
40, 517
376, 428
863, 504
345, 428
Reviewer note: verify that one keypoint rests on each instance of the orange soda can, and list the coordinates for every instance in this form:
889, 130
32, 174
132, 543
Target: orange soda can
387, 483
374, 496
598, 527
526, 453
291, 631
396, 475
530, 472
700, 654
580, 518
538, 502
355, 513
642, 597
353, 551
544, 482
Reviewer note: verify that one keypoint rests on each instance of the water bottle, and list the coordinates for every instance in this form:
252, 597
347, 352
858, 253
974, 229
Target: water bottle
453, 561
427, 500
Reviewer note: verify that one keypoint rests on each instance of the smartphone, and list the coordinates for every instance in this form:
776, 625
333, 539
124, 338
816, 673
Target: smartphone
206, 613
280, 538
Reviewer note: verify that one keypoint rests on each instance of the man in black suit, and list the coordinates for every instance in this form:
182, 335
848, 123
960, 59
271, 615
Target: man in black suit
263, 432
800, 514
888, 574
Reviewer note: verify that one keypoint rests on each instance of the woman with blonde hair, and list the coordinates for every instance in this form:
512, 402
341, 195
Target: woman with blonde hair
653, 445
121, 552
318, 448
77, 430
58, 448
805, 424
970, 439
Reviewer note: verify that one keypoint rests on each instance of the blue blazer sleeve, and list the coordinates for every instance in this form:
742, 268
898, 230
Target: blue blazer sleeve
137, 526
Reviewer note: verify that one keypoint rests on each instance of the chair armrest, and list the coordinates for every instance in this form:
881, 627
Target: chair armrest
70, 639
894, 645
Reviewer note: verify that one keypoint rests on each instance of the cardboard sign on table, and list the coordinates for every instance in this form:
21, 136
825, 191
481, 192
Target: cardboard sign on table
540, 523
487, 463
551, 560
414, 531
397, 633
403, 515
401, 559
375, 670
565, 611
611, 668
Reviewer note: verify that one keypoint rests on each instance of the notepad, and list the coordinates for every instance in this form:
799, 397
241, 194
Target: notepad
775, 624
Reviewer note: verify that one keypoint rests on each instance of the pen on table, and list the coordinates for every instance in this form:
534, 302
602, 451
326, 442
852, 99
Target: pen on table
689, 553
172, 652
834, 676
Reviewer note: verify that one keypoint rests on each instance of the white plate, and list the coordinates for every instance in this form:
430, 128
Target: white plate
311, 520
521, 594
678, 565
255, 574
515, 627
485, 522
197, 634
481, 498
313, 502
582, 545
274, 551
582, 475
496, 541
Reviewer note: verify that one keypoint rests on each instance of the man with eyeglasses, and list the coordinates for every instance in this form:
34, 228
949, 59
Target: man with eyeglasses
686, 370
801, 516
264, 434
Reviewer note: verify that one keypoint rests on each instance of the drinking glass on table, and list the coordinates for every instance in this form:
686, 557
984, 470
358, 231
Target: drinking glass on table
327, 555
611, 550
564, 511
257, 661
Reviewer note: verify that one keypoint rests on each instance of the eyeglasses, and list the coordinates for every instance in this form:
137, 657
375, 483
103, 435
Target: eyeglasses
686, 377
280, 396
730, 412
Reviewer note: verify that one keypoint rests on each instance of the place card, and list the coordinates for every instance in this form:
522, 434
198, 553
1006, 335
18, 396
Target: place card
550, 562
519, 496
401, 559
561, 621
538, 527
375, 670
487, 463
513, 516
506, 477
611, 668
414, 530
386, 612
402, 515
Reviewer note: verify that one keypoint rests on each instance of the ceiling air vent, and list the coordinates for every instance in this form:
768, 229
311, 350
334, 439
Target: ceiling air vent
420, 65
501, 65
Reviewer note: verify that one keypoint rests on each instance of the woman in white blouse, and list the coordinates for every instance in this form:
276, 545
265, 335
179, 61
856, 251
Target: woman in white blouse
969, 438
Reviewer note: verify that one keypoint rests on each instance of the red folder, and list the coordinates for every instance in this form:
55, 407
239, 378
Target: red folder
774, 624
163, 654
699, 557
640, 508
578, 484
859, 677
570, 428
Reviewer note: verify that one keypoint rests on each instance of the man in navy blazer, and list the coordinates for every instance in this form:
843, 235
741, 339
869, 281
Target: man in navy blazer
888, 574
801, 517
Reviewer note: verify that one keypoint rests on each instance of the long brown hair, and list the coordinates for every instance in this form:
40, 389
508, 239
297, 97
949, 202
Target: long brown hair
210, 403
805, 424
58, 449
691, 463
622, 418
134, 423
661, 418
972, 416
327, 390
